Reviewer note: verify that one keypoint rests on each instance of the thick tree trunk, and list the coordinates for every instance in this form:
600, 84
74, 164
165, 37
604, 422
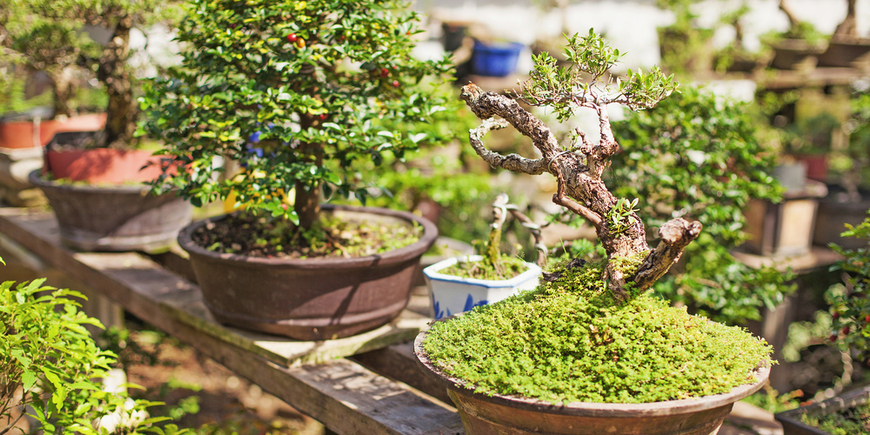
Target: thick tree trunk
114, 72
64, 89
307, 205
580, 187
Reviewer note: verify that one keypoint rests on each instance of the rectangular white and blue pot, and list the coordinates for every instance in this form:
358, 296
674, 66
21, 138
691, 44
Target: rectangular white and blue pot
452, 294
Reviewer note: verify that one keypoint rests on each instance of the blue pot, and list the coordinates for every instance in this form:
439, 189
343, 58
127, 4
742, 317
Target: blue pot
496, 60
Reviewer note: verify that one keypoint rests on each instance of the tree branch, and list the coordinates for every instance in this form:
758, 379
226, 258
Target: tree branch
675, 235
511, 162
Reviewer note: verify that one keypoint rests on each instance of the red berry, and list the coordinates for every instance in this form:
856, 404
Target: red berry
846, 330
385, 72
867, 319
833, 337
284, 206
395, 67
836, 315
322, 116
292, 37
395, 83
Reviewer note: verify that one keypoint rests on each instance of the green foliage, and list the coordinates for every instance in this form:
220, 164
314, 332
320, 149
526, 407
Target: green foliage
850, 305
54, 36
298, 92
773, 402
696, 156
565, 88
845, 421
47, 352
570, 341
685, 47
853, 161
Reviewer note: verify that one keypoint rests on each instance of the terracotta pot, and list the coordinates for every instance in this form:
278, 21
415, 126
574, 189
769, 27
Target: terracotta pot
310, 299
103, 165
505, 415
114, 218
791, 420
29, 134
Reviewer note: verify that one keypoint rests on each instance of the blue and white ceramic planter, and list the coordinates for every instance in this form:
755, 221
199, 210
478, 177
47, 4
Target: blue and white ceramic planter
451, 294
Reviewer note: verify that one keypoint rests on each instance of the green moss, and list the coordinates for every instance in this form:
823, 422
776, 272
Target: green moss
570, 340
506, 268
850, 421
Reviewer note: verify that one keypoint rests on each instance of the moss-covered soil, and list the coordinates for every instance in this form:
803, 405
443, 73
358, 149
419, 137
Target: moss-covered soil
265, 237
849, 421
507, 268
570, 341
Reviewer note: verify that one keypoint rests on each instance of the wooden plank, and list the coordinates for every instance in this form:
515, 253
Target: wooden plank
131, 273
399, 363
344, 396
817, 257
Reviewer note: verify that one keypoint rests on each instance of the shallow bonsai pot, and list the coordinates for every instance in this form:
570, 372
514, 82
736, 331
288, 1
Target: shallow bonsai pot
453, 294
791, 420
310, 299
114, 218
792, 54
498, 414
846, 52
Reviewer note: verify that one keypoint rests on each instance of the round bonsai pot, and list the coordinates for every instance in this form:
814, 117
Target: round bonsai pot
114, 218
310, 299
498, 414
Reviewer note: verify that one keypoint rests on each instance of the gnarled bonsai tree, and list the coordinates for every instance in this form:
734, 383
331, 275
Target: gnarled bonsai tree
580, 164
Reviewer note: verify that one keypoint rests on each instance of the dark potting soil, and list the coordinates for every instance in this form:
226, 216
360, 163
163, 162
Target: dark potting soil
265, 237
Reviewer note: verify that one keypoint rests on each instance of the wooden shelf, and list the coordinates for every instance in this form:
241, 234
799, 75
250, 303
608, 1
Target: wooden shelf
343, 395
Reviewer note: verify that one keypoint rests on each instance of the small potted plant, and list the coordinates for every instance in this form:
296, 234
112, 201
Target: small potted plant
459, 284
589, 351
850, 310
94, 181
846, 48
799, 46
297, 93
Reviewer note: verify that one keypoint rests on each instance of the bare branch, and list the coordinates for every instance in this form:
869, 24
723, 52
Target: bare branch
488, 104
675, 235
511, 162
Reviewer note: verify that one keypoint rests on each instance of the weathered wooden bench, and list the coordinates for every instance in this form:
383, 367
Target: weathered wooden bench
367, 384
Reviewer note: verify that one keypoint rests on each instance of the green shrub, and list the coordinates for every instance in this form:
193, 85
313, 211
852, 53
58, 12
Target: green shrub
696, 155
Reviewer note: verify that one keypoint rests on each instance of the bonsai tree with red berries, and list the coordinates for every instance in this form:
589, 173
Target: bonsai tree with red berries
295, 92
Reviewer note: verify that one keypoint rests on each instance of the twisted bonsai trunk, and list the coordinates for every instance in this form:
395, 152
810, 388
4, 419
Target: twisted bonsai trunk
580, 187
113, 71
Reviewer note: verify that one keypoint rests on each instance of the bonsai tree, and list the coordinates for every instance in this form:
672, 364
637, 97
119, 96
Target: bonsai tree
590, 332
51, 36
296, 93
579, 166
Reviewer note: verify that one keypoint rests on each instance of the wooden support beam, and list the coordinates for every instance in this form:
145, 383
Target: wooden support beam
344, 396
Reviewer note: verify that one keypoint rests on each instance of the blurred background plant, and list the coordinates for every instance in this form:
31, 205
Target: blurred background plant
696, 155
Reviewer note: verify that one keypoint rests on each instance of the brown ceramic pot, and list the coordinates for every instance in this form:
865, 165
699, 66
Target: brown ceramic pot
310, 299
114, 218
505, 415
